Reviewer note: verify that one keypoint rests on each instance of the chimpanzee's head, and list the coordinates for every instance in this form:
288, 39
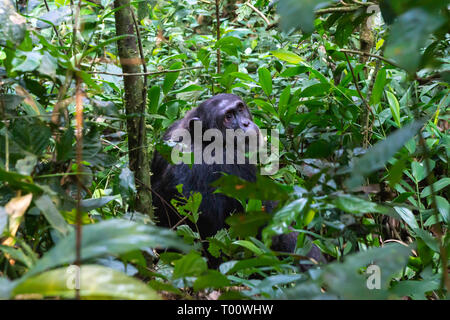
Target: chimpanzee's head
225, 111
224, 116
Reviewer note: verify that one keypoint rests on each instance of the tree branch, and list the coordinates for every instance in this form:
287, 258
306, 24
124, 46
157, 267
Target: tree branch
152, 73
370, 55
248, 4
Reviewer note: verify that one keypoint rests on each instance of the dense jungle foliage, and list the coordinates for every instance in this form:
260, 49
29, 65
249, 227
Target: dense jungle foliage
358, 91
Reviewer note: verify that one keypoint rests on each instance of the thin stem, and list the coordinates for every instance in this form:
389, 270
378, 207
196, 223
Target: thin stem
370, 55
366, 129
248, 4
142, 73
79, 151
54, 27
445, 281
218, 34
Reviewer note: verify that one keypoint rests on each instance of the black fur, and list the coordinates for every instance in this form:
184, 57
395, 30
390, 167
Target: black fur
215, 208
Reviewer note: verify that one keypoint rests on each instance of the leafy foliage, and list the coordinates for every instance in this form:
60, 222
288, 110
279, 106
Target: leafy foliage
364, 148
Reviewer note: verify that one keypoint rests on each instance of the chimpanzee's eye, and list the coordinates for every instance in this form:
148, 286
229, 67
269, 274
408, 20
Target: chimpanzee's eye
228, 115
240, 107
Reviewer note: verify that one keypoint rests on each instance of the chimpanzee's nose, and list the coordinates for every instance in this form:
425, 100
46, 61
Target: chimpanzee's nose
246, 123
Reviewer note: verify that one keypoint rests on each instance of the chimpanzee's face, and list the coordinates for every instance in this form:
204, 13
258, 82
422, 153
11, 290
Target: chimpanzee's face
236, 116
230, 112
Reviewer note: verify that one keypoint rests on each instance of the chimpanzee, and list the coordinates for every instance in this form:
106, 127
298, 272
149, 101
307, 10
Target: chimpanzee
222, 111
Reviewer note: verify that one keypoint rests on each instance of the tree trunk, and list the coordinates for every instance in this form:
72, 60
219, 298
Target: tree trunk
134, 105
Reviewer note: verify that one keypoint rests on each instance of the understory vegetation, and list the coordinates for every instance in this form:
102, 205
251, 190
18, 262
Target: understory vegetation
358, 91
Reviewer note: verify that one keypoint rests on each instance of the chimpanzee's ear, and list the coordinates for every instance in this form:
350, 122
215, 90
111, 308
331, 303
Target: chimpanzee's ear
191, 124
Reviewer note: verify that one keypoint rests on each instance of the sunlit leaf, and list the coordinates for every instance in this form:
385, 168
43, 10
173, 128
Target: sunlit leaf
394, 106
287, 56
115, 236
95, 282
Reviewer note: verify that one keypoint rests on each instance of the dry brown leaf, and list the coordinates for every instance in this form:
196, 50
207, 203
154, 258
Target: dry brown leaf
16, 208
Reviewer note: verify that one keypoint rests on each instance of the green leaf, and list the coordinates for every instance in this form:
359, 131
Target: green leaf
229, 44
95, 203
266, 106
427, 238
250, 246
48, 65
204, 56
162, 286
115, 236
356, 205
126, 183
396, 172
378, 87
32, 137
395, 107
263, 189
13, 25
96, 282
187, 233
294, 71
287, 56
284, 217
171, 77
438, 185
318, 89
54, 17
265, 80
263, 260
6, 287
10, 101
377, 156
418, 170
407, 216
346, 280
17, 254
64, 149
16, 180
31, 61
443, 208
213, 279
242, 76
409, 34
26, 165
415, 289
48, 209
247, 224
284, 101
191, 264
188, 88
